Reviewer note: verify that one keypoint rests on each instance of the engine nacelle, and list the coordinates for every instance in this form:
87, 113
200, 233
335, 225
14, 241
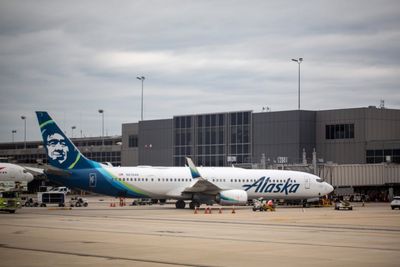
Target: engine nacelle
231, 197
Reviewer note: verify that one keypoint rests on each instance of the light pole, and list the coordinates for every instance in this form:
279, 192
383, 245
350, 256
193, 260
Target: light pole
298, 62
72, 131
24, 119
142, 79
102, 125
13, 133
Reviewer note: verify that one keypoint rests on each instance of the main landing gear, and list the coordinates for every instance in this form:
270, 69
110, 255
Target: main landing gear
194, 204
180, 204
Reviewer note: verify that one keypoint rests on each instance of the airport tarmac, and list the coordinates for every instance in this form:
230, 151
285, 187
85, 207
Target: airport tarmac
164, 236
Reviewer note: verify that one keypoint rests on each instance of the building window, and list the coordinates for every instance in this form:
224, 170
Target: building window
240, 137
339, 131
383, 155
133, 141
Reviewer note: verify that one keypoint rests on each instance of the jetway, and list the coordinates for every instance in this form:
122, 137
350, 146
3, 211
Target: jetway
361, 174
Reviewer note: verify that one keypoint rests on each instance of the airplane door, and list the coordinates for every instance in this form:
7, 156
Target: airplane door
307, 183
92, 179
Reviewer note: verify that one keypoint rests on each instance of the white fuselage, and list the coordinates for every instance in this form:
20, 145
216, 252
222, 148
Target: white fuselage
170, 182
14, 173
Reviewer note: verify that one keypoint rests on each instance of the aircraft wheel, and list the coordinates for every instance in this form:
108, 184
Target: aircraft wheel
180, 204
194, 204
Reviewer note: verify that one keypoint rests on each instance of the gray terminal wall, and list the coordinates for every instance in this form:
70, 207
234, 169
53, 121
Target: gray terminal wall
283, 134
129, 155
373, 129
156, 142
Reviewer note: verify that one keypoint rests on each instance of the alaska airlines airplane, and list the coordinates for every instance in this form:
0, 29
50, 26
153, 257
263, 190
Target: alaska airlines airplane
224, 185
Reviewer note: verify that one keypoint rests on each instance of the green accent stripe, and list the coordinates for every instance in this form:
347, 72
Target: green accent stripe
125, 184
45, 123
76, 161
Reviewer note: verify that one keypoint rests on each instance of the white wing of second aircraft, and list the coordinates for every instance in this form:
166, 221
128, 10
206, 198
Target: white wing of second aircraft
34, 171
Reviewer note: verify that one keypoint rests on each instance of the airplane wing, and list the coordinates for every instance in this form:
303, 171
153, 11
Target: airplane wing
47, 169
201, 185
34, 171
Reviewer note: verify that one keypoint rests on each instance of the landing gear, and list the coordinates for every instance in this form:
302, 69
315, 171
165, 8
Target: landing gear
194, 204
306, 204
180, 204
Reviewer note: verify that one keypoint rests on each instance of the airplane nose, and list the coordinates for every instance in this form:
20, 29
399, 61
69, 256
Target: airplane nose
29, 177
329, 188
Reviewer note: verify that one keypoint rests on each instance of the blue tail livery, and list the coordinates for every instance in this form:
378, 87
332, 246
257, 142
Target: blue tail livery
73, 169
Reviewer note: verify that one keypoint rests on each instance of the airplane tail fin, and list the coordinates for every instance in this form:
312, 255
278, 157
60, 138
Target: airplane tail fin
61, 152
193, 170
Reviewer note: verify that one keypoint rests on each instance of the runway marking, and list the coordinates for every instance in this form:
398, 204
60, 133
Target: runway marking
102, 256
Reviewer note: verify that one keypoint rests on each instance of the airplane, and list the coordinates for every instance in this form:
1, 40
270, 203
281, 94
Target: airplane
14, 176
200, 185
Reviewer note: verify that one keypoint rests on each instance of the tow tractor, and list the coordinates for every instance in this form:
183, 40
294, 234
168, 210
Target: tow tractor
10, 201
78, 202
343, 205
262, 205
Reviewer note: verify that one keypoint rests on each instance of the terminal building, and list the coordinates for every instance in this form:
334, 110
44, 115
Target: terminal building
356, 147
345, 136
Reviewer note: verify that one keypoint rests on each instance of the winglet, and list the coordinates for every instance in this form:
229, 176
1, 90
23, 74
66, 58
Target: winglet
193, 170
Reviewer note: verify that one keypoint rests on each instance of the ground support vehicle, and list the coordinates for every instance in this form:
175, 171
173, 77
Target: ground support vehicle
343, 205
78, 202
29, 202
142, 201
10, 201
262, 205
51, 197
395, 204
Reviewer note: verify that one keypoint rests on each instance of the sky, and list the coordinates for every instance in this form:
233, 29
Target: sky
72, 58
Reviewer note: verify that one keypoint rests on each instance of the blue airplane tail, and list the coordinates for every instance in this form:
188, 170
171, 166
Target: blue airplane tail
61, 152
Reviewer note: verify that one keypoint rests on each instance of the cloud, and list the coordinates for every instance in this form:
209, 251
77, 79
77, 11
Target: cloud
197, 56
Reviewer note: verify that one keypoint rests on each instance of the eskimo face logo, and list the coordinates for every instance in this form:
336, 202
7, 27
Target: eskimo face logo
57, 148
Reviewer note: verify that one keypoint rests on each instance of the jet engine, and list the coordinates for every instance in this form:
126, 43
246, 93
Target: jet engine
231, 197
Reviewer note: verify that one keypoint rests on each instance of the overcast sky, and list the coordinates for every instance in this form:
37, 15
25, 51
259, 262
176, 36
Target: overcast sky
72, 58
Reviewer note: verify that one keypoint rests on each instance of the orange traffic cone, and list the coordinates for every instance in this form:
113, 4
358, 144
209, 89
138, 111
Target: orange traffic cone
195, 210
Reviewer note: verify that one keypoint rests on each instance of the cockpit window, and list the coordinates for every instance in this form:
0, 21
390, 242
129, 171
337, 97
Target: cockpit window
319, 180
